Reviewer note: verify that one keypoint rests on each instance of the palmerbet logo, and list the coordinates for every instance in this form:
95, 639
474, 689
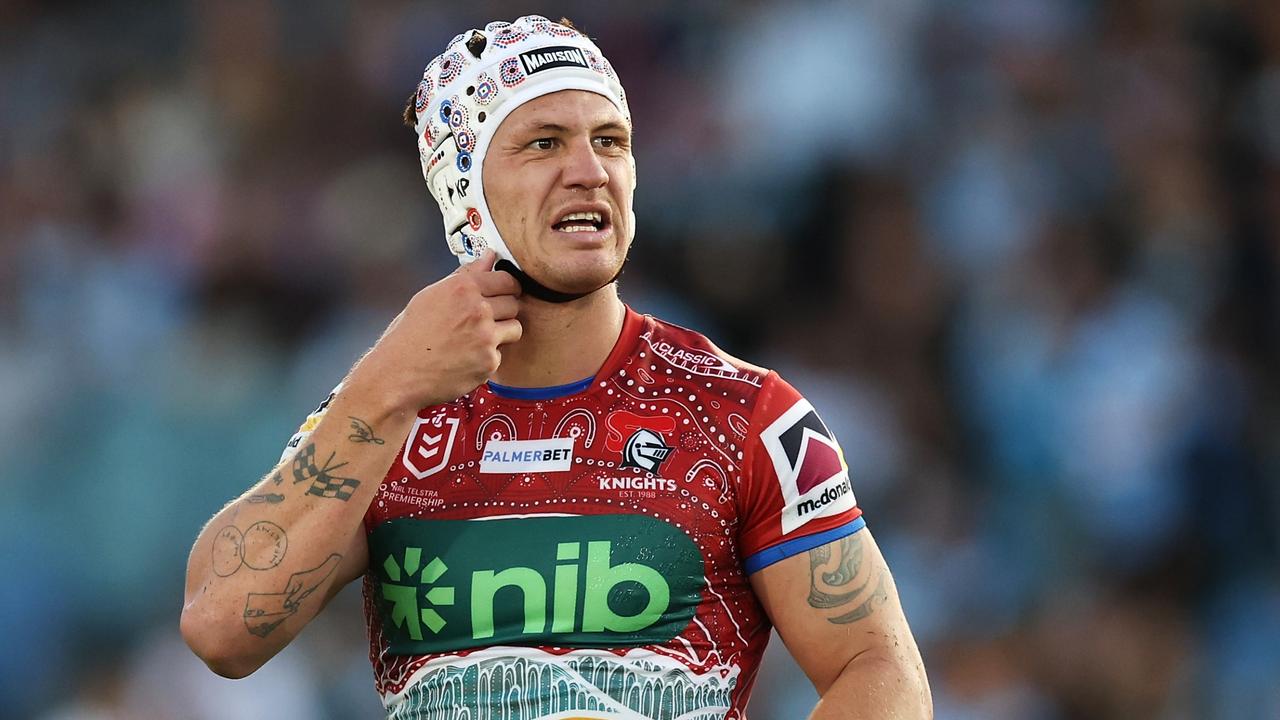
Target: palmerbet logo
521, 581
598, 577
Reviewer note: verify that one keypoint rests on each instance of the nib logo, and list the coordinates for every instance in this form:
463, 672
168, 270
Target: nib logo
405, 611
533, 581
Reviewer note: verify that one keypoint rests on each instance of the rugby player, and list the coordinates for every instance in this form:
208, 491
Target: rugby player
560, 508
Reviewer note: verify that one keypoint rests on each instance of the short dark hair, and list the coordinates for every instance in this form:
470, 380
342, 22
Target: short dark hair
411, 107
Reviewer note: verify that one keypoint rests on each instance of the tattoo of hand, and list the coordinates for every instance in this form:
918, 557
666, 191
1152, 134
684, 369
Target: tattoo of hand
361, 432
263, 612
827, 586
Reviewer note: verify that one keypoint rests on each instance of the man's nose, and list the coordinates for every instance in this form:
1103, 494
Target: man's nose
583, 168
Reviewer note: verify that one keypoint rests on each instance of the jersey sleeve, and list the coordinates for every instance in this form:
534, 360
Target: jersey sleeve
309, 425
795, 492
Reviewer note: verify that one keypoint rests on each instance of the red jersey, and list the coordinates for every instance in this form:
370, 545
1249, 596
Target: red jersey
584, 551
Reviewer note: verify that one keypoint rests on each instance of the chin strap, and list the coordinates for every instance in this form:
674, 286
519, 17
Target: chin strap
537, 289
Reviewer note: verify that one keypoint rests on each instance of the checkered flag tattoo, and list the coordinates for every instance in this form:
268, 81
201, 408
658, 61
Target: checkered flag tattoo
323, 482
304, 464
325, 486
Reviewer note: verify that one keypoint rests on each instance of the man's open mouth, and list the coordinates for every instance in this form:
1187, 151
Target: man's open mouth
589, 221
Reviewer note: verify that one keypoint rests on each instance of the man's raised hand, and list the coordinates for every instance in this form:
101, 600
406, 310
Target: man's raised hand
445, 342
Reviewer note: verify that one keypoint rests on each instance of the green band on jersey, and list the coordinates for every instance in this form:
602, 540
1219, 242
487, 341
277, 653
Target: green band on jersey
580, 581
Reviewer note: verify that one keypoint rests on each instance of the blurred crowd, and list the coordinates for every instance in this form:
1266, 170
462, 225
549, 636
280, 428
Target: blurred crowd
1021, 253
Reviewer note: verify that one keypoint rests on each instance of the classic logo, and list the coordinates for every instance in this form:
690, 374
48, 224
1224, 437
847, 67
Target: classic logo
552, 57
576, 581
809, 465
525, 456
679, 355
430, 445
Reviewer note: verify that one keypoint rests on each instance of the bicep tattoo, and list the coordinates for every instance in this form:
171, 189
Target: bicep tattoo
835, 570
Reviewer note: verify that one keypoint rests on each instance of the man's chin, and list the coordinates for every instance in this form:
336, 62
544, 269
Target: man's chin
578, 283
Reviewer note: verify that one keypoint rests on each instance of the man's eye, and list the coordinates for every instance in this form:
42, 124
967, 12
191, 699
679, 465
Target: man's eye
607, 142
543, 143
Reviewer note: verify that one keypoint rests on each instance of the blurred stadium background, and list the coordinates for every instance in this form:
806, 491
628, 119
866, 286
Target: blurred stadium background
1021, 253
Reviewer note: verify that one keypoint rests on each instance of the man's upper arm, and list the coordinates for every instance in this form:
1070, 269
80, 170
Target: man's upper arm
813, 563
834, 603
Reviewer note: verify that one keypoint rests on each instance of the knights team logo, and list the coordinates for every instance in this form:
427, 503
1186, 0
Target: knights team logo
809, 464
429, 446
645, 446
645, 449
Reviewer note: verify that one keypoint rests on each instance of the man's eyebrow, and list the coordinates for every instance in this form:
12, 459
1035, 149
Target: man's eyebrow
613, 125
546, 127
554, 128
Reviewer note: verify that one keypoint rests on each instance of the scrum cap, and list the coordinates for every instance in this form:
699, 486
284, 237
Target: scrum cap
466, 92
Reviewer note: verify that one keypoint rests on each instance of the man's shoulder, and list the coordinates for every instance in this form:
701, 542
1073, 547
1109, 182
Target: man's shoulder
676, 348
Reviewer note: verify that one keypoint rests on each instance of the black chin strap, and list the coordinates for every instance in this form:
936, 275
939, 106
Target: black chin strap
537, 289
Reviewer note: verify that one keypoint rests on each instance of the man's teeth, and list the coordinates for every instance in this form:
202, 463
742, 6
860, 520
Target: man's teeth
594, 217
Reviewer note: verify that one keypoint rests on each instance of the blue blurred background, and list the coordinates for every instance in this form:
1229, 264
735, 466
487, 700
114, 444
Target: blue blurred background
1022, 254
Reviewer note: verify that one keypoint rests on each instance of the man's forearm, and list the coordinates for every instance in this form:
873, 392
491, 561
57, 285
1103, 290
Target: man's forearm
261, 569
875, 686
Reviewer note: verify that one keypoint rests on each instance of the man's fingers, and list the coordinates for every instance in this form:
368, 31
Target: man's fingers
508, 331
497, 283
482, 264
491, 283
504, 307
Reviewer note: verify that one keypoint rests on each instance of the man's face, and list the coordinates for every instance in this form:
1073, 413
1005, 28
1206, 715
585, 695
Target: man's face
552, 159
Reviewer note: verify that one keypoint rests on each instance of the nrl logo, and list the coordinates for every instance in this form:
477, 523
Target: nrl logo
429, 446
645, 449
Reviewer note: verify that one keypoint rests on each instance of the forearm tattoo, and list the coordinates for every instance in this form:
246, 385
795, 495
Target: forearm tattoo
260, 547
362, 432
263, 612
323, 482
272, 498
832, 576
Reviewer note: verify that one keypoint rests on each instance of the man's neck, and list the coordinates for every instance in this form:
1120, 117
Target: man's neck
562, 343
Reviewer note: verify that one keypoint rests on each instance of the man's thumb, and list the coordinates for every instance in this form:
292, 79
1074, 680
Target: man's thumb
484, 263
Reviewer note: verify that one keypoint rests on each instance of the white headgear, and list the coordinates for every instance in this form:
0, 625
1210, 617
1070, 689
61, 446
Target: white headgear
480, 78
